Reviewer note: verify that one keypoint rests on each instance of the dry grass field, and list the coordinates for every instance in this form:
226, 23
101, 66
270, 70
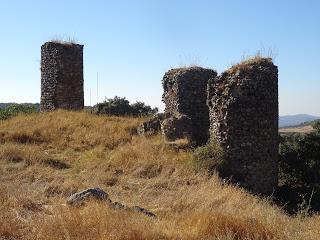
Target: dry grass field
46, 157
300, 129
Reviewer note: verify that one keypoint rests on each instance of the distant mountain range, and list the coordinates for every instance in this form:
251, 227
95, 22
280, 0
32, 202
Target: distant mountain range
294, 120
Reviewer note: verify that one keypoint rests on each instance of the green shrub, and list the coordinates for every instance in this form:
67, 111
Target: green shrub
208, 157
299, 159
15, 109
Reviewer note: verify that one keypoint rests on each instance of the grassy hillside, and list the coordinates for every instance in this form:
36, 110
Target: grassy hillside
46, 157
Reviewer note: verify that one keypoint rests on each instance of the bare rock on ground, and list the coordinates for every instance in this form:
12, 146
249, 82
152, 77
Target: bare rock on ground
177, 127
152, 126
91, 193
149, 127
79, 199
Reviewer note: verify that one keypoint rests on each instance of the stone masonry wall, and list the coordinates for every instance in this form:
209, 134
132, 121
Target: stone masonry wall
185, 93
243, 105
61, 76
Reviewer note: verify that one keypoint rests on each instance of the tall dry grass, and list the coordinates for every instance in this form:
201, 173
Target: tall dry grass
46, 157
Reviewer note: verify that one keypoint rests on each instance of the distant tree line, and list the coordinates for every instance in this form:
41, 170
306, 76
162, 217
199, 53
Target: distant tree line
15, 109
35, 105
119, 106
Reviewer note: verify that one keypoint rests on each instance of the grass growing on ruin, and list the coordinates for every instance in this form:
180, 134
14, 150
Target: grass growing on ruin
63, 40
46, 157
258, 59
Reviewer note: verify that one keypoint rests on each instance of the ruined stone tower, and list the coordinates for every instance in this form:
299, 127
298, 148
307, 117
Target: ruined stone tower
61, 76
185, 94
243, 105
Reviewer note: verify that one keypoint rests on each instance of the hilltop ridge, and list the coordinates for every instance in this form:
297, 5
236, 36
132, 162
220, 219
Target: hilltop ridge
295, 120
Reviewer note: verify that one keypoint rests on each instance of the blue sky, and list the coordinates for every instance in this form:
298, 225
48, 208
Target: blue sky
132, 43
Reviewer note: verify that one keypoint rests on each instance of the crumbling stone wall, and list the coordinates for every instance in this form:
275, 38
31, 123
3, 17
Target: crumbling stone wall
61, 76
185, 94
243, 105
151, 126
176, 127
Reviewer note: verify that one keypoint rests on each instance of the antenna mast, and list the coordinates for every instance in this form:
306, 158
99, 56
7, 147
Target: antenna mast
97, 88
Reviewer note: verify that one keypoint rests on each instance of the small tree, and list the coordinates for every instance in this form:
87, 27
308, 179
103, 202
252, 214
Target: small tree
118, 106
140, 109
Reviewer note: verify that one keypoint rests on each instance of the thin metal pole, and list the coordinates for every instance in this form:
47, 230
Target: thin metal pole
97, 88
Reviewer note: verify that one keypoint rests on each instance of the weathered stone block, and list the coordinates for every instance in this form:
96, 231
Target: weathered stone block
243, 105
177, 127
149, 127
185, 93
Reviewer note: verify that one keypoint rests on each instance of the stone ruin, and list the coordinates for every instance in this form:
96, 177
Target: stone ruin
243, 105
238, 109
61, 76
185, 100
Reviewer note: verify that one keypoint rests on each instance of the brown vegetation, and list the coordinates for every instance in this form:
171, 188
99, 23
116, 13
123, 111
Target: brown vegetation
46, 157
257, 59
299, 129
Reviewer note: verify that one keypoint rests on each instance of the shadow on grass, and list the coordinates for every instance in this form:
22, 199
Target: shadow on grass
298, 199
